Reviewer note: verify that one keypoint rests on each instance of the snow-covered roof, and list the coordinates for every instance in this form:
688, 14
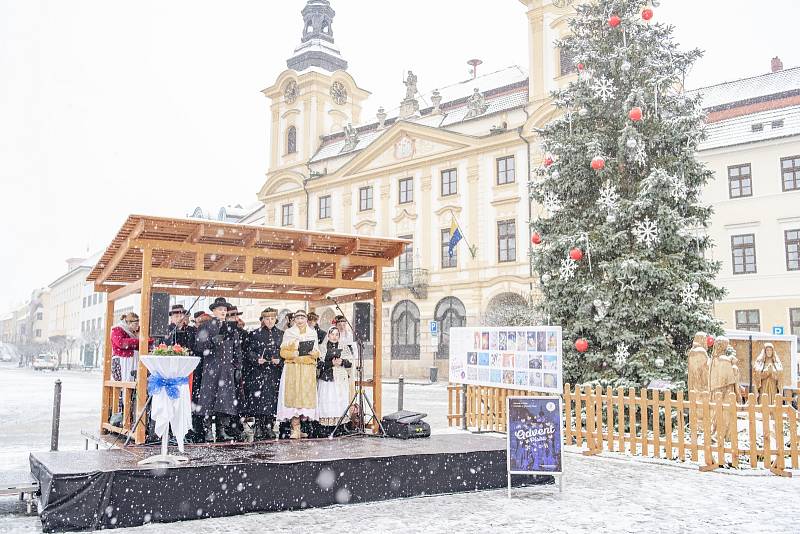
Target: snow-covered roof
750, 89
503, 90
770, 124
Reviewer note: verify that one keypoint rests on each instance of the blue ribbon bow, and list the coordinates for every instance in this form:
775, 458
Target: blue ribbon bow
157, 382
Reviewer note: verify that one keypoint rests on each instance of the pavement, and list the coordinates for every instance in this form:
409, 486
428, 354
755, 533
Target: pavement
601, 494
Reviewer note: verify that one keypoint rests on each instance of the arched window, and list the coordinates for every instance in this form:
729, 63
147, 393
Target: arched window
405, 331
291, 140
449, 312
510, 309
326, 317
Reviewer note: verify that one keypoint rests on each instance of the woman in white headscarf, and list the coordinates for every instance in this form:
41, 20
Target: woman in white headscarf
768, 372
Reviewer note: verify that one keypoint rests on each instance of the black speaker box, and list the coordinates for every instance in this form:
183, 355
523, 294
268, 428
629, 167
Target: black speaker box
159, 314
406, 425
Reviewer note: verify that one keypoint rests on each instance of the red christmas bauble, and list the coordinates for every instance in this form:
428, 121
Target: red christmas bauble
635, 114
581, 345
548, 160
710, 341
576, 254
647, 14
580, 66
598, 163
614, 21
536, 238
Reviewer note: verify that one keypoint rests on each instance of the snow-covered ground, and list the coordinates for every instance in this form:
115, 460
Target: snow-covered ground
600, 494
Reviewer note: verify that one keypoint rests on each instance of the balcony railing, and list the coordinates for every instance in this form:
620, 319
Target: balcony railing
406, 279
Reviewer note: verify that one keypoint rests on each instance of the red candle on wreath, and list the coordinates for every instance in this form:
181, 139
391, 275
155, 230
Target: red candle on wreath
710, 341
647, 14
614, 21
576, 254
536, 238
581, 345
635, 114
598, 163
580, 66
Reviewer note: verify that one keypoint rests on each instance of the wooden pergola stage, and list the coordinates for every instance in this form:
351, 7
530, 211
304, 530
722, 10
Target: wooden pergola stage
195, 256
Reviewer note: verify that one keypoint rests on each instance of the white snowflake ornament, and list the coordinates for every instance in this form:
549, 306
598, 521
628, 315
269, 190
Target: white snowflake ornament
639, 156
608, 197
678, 188
603, 89
567, 269
646, 232
621, 354
551, 202
689, 294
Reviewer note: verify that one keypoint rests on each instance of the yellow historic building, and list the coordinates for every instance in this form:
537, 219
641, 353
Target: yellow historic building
462, 152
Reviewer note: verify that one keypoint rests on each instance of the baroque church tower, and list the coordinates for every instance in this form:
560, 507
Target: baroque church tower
315, 96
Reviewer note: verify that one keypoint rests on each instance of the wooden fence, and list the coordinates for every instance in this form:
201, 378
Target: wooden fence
667, 425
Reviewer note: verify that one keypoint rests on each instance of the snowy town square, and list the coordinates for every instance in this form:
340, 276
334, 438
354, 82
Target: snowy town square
453, 266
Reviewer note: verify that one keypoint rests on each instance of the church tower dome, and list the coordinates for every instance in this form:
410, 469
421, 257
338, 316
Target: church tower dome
317, 47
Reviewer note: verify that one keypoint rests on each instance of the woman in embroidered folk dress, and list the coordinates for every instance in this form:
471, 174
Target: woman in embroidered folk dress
333, 388
297, 395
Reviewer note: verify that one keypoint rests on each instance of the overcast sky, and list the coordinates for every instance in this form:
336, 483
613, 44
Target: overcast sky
109, 108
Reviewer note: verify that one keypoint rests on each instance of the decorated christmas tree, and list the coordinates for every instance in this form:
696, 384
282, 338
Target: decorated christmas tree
619, 247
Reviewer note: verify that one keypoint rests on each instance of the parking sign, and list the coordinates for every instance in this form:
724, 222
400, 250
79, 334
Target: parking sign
434, 328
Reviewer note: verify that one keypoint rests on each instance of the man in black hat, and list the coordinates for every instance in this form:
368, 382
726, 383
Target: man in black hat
262, 374
219, 343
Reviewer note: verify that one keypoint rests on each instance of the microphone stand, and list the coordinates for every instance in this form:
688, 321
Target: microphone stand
361, 428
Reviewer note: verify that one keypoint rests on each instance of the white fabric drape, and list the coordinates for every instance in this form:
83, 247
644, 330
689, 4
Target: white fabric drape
165, 411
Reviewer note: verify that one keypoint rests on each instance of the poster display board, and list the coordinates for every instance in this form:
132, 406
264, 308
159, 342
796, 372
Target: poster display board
534, 435
527, 358
534, 438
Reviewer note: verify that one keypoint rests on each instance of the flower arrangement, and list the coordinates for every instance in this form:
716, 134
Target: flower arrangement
170, 350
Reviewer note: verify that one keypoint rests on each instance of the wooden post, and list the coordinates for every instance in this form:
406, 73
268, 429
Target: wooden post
568, 435
765, 430
144, 336
793, 437
631, 421
668, 424
705, 404
694, 427
722, 427
645, 422
105, 399
734, 424
656, 424
751, 423
578, 417
681, 423
377, 357
620, 420
779, 467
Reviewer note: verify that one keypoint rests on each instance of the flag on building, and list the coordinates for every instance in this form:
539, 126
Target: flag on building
455, 237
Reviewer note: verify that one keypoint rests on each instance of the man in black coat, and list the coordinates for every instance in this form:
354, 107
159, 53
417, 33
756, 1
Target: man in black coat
220, 343
262, 374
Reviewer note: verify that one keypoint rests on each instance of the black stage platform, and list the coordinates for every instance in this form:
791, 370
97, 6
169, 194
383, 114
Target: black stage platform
107, 489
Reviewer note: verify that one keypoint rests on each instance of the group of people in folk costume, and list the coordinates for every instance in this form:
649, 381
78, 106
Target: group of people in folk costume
296, 375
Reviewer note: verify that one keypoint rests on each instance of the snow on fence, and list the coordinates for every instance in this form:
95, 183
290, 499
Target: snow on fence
755, 432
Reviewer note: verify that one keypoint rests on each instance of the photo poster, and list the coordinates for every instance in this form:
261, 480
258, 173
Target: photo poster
521, 357
534, 436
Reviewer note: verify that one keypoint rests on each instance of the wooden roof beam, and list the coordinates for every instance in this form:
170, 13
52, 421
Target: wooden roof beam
350, 247
121, 252
260, 252
124, 291
192, 238
287, 281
